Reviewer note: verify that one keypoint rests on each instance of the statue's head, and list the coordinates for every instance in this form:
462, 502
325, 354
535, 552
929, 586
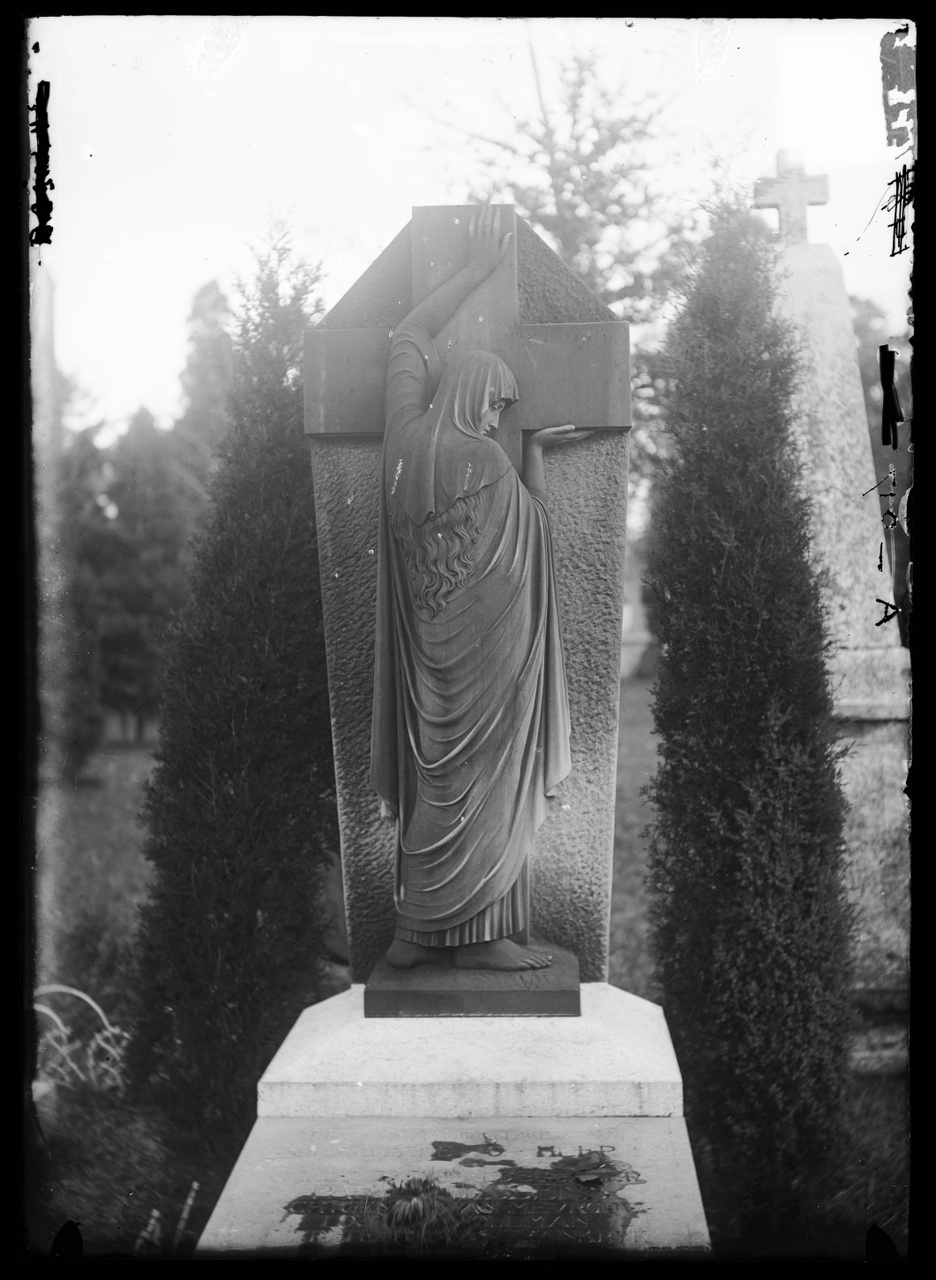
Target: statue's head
475, 389
491, 416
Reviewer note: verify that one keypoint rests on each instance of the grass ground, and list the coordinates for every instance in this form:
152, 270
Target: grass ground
109, 1167
93, 874
630, 966
92, 1158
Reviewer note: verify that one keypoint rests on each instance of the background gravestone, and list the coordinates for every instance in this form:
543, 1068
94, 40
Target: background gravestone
870, 669
587, 499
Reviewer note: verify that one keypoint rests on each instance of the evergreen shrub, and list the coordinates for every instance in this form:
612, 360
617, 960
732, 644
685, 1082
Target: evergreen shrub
750, 925
240, 811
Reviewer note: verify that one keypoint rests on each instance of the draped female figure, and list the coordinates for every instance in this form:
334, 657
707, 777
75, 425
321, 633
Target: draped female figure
471, 713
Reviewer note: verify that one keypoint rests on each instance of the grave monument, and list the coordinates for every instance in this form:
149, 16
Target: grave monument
544, 1105
870, 668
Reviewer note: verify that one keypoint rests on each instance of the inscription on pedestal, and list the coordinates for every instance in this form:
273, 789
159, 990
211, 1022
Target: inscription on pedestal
532, 1205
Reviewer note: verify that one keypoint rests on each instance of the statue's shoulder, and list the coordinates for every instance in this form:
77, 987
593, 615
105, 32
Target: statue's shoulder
492, 447
493, 458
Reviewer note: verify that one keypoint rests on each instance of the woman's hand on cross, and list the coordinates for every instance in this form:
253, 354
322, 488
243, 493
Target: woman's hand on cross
486, 250
547, 436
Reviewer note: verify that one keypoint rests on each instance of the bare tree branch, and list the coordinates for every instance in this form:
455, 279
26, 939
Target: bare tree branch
549, 137
463, 130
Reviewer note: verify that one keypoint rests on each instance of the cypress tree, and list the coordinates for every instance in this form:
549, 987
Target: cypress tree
206, 383
750, 924
240, 809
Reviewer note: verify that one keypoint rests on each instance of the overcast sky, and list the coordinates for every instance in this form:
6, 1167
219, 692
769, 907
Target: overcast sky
175, 139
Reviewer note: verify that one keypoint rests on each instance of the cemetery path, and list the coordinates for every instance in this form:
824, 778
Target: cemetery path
630, 965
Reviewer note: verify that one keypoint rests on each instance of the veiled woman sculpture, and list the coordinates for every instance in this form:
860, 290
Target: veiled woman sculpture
471, 713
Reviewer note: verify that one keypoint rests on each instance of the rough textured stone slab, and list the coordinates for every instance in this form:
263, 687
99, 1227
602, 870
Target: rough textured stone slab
615, 1060
571, 859
433, 991
573, 1187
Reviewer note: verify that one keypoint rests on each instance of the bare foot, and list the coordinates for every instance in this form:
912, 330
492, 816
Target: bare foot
404, 955
499, 954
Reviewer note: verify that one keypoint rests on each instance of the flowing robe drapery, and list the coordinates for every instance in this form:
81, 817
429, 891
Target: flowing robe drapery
471, 715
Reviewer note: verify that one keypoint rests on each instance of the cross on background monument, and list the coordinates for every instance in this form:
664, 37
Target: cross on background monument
577, 373
790, 192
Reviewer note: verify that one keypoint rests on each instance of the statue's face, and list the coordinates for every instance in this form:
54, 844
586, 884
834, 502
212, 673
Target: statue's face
491, 416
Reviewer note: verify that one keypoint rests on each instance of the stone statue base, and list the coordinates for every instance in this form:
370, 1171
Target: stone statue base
551, 1137
442, 991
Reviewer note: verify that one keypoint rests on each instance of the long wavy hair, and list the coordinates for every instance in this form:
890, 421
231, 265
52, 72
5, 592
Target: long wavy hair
439, 552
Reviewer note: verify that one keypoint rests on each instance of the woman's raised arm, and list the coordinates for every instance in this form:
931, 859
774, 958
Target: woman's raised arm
486, 251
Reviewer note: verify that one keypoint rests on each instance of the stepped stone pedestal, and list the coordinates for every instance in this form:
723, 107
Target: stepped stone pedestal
555, 1136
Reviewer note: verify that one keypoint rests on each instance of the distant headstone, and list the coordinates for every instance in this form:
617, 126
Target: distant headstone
870, 669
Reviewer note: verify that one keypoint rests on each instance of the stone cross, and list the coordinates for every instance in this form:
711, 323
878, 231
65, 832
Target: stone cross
577, 373
789, 193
